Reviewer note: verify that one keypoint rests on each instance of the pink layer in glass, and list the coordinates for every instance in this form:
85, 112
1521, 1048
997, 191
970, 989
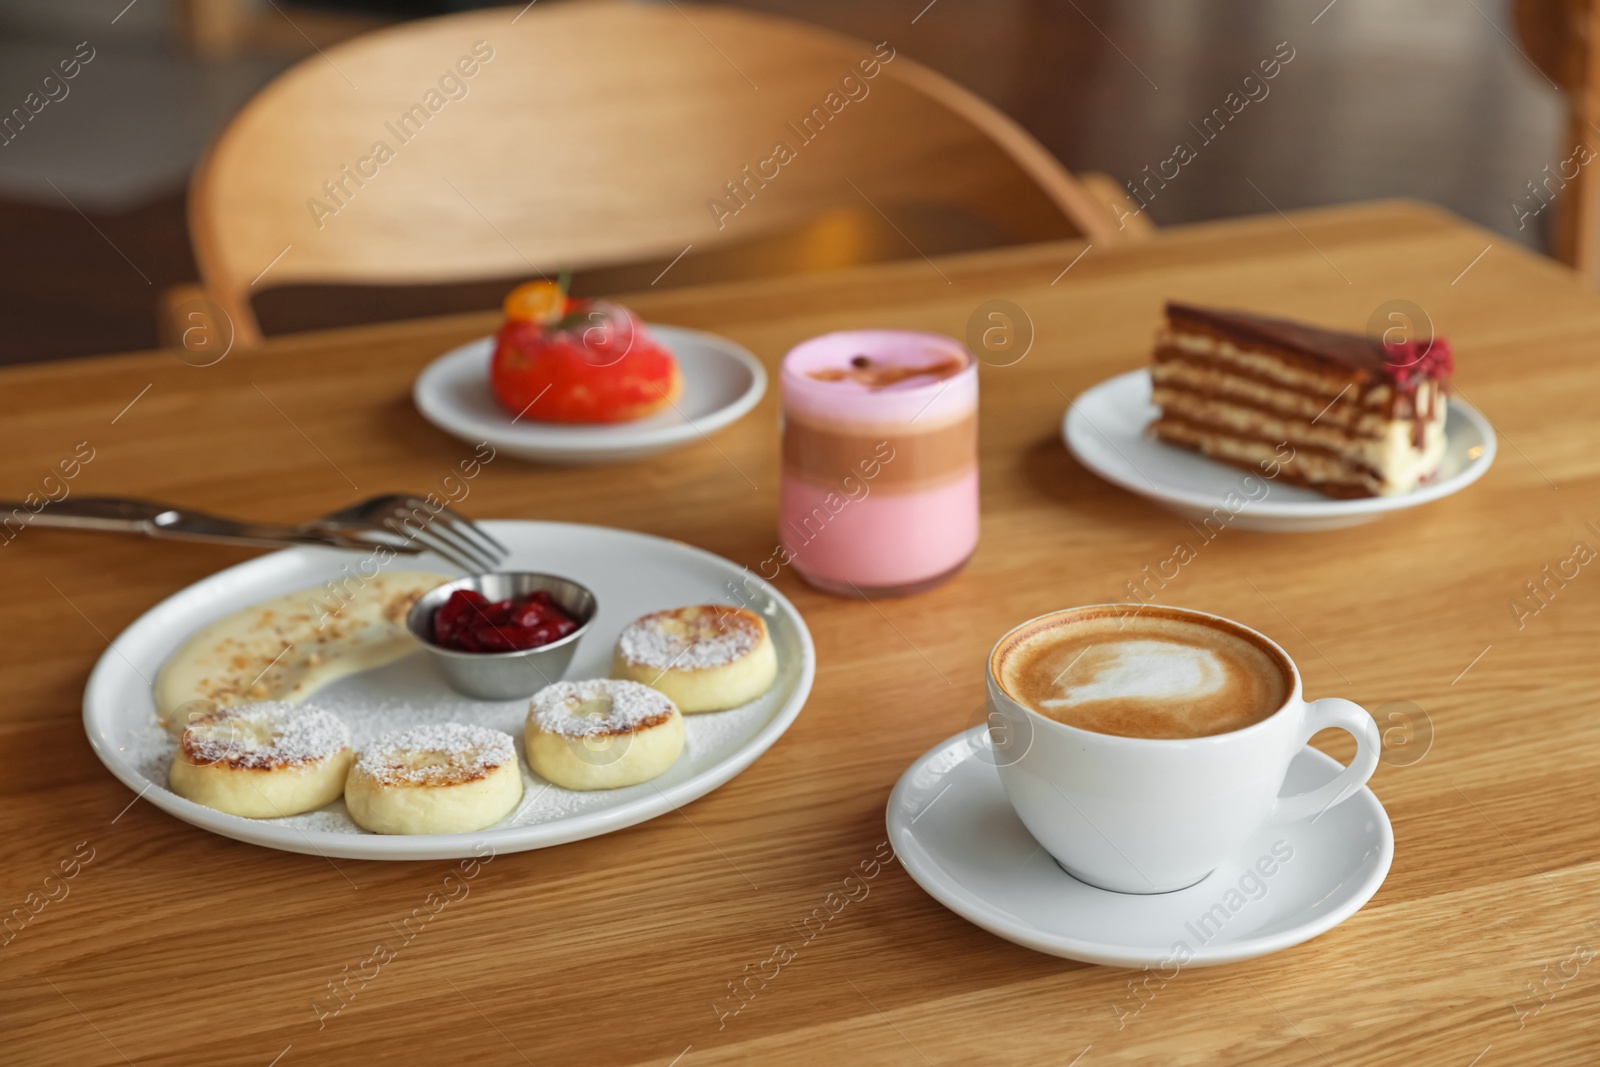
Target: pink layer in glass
879, 540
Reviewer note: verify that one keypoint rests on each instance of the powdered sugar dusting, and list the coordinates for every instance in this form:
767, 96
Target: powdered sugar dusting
436, 754
265, 735
694, 638
409, 693
599, 707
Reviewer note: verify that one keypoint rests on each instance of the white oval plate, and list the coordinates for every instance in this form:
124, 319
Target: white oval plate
1105, 429
721, 383
630, 574
1286, 885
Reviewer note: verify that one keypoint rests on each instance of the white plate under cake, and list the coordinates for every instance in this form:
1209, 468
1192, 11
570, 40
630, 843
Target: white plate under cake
1107, 428
630, 574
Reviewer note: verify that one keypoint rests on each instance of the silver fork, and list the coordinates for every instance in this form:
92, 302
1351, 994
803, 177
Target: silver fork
399, 522
442, 530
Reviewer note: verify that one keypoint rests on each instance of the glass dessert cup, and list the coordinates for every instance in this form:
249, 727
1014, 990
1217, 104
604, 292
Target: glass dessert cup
879, 494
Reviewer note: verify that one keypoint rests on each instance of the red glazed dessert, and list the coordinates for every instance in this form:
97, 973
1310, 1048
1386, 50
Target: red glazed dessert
578, 361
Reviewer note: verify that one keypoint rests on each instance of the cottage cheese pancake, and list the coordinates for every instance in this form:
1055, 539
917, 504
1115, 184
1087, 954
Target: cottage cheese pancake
709, 657
1141, 673
603, 733
447, 778
263, 761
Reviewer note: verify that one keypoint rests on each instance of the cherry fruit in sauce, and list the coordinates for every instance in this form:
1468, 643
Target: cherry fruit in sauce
471, 622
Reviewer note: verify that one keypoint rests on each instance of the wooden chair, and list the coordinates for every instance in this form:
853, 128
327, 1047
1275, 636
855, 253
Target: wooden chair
1560, 37
508, 143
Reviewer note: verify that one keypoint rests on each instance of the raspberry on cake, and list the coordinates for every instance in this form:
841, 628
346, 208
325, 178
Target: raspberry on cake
1360, 416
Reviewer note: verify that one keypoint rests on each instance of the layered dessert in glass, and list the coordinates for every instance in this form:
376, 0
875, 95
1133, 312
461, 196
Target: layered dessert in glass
880, 461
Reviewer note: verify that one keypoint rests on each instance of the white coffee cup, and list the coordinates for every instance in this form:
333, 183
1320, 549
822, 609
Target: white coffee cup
1143, 815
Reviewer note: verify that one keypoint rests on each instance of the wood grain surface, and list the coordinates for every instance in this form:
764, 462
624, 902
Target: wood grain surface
169, 945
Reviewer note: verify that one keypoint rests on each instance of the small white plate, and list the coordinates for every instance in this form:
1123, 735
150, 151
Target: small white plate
1105, 428
721, 383
629, 573
958, 837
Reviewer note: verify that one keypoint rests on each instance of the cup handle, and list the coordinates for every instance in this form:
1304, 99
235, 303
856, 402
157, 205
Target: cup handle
1352, 718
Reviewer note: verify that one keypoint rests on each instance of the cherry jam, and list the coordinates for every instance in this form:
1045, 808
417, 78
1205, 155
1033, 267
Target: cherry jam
471, 622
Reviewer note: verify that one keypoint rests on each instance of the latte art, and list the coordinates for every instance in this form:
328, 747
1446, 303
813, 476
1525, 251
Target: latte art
1141, 673
1150, 670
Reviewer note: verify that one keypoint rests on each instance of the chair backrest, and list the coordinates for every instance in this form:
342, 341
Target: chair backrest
1560, 38
510, 142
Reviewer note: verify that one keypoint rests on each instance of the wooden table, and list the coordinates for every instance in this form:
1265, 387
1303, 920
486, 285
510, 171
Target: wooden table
174, 946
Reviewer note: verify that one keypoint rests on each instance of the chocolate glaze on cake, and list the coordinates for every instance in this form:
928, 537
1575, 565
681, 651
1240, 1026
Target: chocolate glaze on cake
1370, 361
1401, 363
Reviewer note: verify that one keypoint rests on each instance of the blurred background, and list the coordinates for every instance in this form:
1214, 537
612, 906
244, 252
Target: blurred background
1456, 102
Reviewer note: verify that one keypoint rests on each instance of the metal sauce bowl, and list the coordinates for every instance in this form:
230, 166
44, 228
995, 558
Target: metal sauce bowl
504, 675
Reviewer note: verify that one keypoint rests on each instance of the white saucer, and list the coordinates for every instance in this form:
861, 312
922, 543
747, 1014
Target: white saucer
629, 573
721, 383
958, 837
1105, 429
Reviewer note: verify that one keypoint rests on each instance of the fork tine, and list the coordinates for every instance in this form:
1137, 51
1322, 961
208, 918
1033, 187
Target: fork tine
448, 516
442, 530
433, 544
467, 528
483, 560
451, 526
413, 518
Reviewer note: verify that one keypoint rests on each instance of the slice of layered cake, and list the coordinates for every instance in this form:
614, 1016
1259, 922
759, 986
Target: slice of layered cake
1345, 414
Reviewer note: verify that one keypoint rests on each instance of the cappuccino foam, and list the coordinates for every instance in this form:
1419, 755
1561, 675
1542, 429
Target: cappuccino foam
1141, 673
